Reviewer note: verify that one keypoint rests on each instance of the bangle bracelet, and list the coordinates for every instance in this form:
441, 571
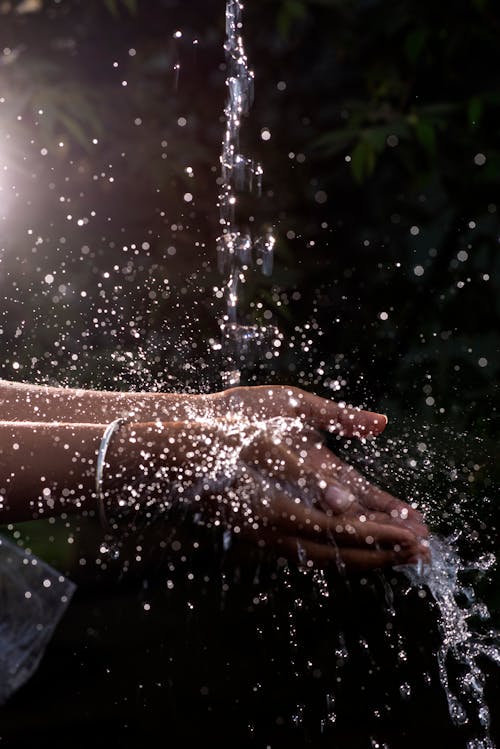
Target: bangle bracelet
101, 458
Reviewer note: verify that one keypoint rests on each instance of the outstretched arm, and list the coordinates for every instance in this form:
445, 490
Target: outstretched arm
46, 469
26, 402
247, 483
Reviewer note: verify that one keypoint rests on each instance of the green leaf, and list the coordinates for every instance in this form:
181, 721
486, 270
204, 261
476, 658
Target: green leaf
415, 43
334, 141
112, 6
70, 108
426, 135
290, 11
363, 160
474, 110
131, 6
75, 129
377, 137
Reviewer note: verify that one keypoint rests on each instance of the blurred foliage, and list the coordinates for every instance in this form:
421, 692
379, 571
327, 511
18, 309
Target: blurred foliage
114, 6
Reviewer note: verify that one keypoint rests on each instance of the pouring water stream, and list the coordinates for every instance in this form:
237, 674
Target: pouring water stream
237, 250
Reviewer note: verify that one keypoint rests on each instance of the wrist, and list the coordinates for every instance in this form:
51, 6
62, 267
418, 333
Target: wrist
135, 469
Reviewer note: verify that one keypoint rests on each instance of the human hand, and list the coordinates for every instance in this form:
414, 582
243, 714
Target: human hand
337, 488
357, 495
264, 402
255, 482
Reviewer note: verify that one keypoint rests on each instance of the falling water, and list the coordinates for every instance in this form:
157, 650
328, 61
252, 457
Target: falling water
237, 249
461, 644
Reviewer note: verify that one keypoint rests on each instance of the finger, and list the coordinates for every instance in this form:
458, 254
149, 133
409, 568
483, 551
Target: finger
294, 471
308, 464
341, 492
361, 559
317, 412
371, 497
285, 467
351, 559
275, 512
281, 514
373, 516
401, 513
260, 506
272, 515
338, 417
279, 462
349, 531
356, 493
337, 495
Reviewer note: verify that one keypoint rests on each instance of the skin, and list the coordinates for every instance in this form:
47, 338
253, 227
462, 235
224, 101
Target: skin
279, 488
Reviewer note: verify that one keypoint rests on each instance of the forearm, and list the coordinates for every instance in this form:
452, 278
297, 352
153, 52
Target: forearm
46, 469
40, 403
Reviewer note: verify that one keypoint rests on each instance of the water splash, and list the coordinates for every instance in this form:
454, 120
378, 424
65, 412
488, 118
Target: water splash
237, 250
462, 645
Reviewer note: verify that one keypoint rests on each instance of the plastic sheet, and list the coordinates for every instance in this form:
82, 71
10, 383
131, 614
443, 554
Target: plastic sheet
33, 597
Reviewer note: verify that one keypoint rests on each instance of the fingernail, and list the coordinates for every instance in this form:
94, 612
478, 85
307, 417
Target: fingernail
339, 498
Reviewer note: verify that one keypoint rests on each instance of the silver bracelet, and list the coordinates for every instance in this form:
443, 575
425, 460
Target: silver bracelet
99, 474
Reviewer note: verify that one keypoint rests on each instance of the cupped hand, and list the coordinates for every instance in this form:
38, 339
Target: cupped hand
357, 495
256, 480
352, 492
275, 520
299, 463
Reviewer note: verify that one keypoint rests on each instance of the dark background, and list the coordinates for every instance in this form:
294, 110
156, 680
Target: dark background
381, 181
